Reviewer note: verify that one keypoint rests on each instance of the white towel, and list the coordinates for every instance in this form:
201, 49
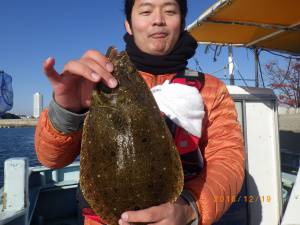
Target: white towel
183, 104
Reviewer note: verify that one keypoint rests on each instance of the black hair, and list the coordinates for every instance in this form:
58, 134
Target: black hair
182, 5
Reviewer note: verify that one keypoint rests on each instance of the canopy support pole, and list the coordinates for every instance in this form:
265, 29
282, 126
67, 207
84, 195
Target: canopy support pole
230, 65
256, 67
253, 24
270, 35
218, 5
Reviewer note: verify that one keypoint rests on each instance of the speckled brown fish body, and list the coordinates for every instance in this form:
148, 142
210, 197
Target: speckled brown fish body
128, 160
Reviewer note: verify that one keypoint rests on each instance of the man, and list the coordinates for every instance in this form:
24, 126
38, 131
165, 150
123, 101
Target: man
159, 47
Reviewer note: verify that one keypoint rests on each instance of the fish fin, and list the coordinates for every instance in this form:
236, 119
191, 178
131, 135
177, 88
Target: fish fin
111, 52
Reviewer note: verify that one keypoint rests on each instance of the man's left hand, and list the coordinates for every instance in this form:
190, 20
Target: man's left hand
178, 213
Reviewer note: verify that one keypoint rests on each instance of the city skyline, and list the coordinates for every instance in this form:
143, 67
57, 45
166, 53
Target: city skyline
28, 112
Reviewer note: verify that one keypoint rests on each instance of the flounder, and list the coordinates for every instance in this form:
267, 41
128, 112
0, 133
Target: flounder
128, 160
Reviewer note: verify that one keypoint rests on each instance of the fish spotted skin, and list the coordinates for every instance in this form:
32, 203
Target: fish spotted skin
128, 160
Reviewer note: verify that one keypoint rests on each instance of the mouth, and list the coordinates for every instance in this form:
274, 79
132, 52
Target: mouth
159, 35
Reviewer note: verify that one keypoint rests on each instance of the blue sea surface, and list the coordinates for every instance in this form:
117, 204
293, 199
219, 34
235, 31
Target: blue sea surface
17, 142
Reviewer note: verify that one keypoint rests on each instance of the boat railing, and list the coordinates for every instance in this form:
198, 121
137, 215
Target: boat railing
23, 186
291, 215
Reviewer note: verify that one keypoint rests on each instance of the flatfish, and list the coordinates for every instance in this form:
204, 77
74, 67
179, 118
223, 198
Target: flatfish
128, 160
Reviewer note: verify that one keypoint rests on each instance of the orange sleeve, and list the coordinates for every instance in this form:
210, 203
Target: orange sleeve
53, 148
223, 151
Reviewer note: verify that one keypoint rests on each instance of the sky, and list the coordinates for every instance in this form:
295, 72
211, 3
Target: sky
33, 30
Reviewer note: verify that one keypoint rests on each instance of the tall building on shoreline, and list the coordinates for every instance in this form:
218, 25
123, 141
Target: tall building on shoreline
37, 104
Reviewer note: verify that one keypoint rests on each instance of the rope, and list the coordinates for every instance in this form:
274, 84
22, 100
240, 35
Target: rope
240, 73
281, 55
198, 67
224, 68
259, 66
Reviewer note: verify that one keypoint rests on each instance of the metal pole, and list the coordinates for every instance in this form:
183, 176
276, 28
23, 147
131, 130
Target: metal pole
230, 65
269, 36
256, 67
209, 12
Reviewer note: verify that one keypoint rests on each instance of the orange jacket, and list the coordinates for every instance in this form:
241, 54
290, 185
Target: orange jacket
221, 145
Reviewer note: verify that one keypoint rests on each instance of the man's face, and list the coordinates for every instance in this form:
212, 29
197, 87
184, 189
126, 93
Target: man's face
155, 25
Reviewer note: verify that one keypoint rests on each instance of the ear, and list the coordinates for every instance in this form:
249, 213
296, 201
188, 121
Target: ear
127, 27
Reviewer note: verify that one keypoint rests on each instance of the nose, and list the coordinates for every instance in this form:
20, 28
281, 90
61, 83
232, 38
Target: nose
159, 18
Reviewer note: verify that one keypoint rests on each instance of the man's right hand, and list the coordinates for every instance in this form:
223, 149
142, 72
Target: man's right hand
73, 87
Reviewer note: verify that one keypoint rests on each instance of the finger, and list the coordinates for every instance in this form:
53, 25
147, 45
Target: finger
122, 222
99, 58
150, 215
86, 93
49, 70
107, 77
80, 69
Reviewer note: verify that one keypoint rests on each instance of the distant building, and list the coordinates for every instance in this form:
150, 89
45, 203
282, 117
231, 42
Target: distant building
37, 104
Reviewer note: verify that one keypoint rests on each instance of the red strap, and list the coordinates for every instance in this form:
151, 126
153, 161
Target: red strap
89, 213
185, 142
193, 83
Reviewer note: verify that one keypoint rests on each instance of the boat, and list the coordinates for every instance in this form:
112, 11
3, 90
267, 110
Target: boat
43, 196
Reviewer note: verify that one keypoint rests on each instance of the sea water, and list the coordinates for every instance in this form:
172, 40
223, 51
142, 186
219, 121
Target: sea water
16, 142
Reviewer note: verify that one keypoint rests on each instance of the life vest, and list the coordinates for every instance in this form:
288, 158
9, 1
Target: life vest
187, 144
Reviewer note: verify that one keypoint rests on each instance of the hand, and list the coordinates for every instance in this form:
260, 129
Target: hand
73, 88
178, 213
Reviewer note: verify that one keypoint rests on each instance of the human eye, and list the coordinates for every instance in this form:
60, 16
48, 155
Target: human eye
145, 11
170, 11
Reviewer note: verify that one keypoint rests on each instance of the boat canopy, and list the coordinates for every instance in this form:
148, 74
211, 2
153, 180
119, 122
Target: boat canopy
267, 24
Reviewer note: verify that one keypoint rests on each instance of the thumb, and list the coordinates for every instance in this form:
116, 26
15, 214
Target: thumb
149, 215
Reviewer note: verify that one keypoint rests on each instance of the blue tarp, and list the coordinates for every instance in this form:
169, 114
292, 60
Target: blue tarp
6, 93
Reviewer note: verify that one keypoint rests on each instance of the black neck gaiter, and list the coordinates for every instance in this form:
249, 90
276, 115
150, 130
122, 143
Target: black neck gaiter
175, 61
